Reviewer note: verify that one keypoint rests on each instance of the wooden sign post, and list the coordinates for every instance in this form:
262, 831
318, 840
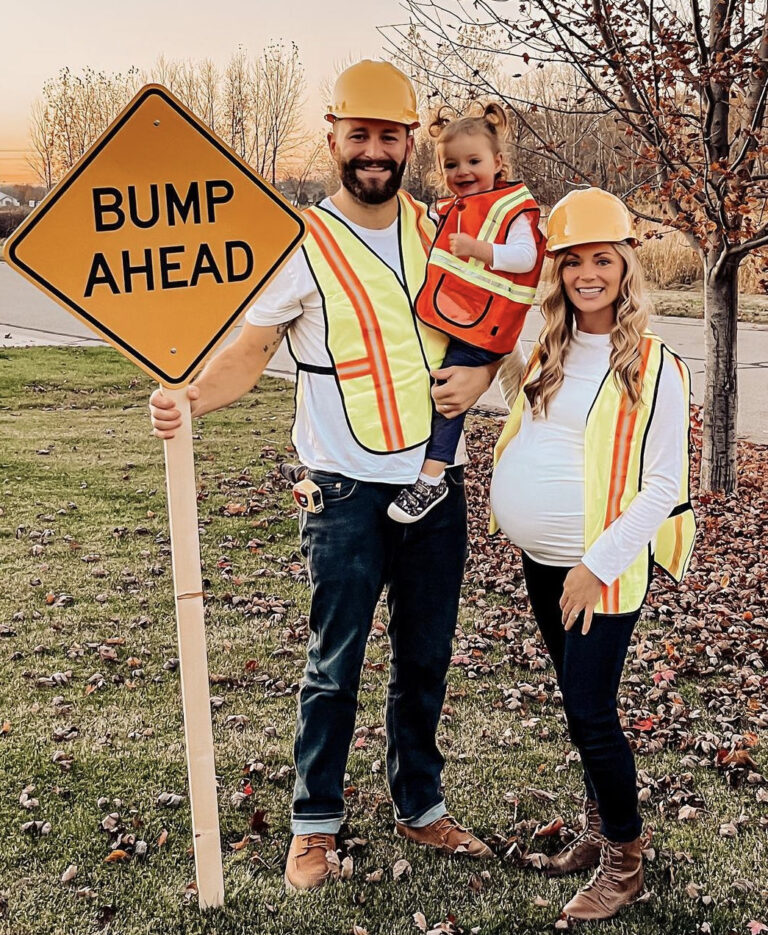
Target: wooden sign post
158, 239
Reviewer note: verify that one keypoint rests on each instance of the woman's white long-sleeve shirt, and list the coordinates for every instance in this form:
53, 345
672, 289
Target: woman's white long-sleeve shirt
537, 493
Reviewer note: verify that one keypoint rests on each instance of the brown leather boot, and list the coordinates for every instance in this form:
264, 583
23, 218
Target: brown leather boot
448, 836
617, 883
307, 865
583, 852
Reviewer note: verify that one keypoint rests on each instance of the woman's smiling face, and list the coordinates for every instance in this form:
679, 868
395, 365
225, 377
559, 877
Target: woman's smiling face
592, 275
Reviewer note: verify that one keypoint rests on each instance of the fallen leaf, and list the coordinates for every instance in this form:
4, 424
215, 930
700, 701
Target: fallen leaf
551, 828
69, 874
401, 868
116, 856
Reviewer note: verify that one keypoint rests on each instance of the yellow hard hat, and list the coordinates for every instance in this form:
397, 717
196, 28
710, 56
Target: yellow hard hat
374, 91
588, 215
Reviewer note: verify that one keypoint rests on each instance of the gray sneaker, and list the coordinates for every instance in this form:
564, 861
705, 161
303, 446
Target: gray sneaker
414, 502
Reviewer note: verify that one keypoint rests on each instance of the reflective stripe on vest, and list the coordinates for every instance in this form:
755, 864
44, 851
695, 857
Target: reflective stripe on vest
380, 354
495, 218
482, 277
614, 445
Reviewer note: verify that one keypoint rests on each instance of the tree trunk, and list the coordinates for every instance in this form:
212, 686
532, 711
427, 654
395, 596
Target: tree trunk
721, 306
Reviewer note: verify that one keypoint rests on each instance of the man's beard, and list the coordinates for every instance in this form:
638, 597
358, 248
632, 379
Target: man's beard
373, 192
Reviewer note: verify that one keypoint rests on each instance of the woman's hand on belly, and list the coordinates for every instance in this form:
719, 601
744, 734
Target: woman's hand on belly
581, 591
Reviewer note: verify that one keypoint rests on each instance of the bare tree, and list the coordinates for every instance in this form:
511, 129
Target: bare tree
72, 113
686, 86
302, 168
41, 133
238, 104
280, 90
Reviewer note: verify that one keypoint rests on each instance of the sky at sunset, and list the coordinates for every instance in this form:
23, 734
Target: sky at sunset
43, 36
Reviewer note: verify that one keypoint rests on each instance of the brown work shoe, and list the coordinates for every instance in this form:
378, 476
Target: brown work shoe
447, 835
617, 883
307, 865
583, 852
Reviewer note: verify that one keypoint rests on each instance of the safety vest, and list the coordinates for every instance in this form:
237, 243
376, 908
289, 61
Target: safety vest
381, 355
463, 297
614, 445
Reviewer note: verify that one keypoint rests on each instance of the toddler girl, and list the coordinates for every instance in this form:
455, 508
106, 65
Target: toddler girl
481, 278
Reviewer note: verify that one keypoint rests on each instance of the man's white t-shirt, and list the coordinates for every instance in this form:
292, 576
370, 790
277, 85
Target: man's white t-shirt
321, 433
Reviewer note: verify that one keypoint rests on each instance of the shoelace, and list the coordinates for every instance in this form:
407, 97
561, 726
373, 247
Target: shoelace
587, 835
448, 823
610, 866
317, 840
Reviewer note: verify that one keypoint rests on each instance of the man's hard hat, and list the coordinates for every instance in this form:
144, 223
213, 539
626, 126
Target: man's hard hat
588, 215
374, 91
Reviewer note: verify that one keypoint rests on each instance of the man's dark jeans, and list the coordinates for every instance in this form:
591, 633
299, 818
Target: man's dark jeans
588, 672
353, 551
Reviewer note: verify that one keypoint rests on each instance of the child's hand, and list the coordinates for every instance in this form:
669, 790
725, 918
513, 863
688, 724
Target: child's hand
462, 244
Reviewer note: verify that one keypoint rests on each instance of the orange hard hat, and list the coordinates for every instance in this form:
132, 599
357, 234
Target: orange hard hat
374, 91
588, 215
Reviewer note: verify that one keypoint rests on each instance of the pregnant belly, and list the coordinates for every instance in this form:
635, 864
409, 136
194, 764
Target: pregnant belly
541, 513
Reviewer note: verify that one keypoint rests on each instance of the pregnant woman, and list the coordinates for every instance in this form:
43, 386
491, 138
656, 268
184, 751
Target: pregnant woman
591, 482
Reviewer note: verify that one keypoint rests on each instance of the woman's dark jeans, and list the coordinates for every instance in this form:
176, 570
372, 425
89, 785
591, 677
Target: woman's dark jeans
588, 671
353, 551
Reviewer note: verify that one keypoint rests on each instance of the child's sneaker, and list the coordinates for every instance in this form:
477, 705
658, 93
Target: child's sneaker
414, 502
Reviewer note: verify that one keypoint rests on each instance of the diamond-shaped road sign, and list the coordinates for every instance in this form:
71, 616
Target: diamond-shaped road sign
158, 238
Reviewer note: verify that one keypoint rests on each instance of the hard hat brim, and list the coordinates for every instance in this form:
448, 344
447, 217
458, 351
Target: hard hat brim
332, 118
552, 252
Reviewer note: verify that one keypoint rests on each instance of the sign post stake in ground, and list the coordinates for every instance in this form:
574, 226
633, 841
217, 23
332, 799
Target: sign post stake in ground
158, 239
193, 656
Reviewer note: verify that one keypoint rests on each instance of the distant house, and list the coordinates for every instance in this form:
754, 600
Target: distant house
8, 201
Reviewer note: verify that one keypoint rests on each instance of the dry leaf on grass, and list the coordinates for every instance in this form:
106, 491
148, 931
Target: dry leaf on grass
116, 856
401, 868
551, 828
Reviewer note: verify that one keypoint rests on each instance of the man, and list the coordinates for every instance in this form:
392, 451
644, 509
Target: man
345, 301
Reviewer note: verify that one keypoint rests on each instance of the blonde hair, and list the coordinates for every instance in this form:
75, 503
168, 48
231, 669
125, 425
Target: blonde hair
632, 311
492, 123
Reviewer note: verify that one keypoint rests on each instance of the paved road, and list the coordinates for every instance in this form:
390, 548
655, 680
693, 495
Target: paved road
28, 317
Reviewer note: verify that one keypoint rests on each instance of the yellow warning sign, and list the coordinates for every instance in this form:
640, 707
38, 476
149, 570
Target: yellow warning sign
158, 238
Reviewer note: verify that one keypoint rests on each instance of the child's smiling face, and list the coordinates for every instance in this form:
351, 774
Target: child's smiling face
468, 163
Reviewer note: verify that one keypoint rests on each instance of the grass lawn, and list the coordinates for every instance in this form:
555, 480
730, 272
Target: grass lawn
90, 709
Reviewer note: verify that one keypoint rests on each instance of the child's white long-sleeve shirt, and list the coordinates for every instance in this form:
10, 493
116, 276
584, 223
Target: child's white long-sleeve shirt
518, 254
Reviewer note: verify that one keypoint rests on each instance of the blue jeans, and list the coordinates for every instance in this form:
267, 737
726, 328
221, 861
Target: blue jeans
445, 433
588, 672
354, 550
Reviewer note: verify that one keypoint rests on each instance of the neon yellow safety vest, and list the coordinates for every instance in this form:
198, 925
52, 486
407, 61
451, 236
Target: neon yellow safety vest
614, 445
381, 355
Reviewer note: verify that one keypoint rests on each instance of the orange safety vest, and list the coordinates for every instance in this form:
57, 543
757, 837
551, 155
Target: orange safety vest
614, 445
466, 299
381, 355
